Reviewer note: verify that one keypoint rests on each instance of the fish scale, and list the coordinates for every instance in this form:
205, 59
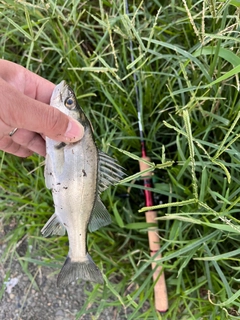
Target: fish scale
77, 173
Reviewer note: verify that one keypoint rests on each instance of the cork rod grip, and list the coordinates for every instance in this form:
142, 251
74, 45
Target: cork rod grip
160, 288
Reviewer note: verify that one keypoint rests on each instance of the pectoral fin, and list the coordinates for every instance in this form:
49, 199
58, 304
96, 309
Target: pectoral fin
110, 172
100, 216
60, 145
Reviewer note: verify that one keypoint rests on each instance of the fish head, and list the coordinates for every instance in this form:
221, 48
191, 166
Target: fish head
64, 99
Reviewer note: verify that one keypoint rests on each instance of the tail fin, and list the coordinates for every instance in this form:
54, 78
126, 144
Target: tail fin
86, 270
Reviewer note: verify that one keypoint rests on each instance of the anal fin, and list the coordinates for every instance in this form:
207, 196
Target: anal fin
53, 226
100, 216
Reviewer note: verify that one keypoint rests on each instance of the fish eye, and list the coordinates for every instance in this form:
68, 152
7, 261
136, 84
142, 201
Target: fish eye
69, 103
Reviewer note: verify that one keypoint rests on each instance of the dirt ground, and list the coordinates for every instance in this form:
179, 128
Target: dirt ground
22, 301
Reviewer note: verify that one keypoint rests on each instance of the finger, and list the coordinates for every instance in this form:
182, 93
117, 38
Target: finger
18, 110
9, 146
26, 81
30, 140
5, 129
37, 87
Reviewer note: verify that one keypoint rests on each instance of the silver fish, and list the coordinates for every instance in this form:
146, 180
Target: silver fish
77, 173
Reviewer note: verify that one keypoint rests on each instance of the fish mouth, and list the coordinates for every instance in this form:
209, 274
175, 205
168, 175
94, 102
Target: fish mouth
58, 91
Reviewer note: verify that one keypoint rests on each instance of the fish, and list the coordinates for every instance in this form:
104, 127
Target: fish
77, 173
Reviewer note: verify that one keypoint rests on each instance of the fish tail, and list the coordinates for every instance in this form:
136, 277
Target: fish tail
86, 270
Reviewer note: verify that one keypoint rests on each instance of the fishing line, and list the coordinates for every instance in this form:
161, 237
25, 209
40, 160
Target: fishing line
160, 289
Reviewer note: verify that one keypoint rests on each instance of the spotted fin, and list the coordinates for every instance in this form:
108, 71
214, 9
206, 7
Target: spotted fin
53, 226
100, 216
110, 172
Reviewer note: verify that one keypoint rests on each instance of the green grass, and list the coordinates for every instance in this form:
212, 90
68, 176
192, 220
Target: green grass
187, 60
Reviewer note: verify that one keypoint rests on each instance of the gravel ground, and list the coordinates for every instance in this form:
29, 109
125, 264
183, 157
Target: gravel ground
24, 302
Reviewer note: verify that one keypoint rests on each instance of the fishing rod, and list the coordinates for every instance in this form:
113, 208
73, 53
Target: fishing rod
160, 289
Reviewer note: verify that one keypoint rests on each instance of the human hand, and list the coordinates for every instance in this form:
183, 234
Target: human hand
24, 104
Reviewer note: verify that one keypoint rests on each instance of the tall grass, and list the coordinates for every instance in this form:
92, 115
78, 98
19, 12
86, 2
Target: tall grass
187, 59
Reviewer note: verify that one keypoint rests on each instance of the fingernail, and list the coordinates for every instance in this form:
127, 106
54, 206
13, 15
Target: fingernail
75, 131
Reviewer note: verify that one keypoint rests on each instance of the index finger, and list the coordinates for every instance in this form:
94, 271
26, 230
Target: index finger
26, 81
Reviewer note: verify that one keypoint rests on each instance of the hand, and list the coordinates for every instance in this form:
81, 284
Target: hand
24, 104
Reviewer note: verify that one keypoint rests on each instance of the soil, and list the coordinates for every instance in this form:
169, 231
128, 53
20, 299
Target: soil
26, 301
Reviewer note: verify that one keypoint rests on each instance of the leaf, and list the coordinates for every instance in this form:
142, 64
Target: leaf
140, 225
27, 35
226, 76
233, 2
222, 52
221, 256
223, 227
171, 204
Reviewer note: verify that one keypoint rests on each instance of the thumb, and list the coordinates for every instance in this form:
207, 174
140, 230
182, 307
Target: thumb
20, 111
53, 123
